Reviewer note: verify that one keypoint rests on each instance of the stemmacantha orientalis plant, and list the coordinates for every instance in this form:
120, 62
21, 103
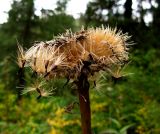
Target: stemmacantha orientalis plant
77, 56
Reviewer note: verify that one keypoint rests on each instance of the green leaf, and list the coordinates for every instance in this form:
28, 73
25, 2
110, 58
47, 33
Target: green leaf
116, 122
110, 131
124, 129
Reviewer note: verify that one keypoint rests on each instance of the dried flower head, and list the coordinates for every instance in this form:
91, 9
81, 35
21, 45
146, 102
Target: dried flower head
100, 48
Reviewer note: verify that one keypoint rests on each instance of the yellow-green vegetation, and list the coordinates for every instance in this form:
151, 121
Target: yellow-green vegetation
125, 105
130, 105
44, 116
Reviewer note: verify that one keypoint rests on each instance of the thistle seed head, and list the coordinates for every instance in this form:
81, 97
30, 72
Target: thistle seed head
65, 56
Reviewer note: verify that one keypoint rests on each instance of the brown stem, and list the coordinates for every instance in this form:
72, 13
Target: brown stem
83, 90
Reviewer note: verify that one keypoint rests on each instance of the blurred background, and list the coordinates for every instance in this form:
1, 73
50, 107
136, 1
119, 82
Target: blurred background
129, 106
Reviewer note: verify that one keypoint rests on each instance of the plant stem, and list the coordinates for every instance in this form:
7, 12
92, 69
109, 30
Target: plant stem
83, 90
21, 82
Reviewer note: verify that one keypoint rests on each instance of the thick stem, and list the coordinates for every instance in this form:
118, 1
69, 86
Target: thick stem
83, 90
85, 111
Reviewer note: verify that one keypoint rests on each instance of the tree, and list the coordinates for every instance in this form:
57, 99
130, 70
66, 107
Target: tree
99, 12
52, 24
128, 9
21, 20
18, 28
61, 6
156, 15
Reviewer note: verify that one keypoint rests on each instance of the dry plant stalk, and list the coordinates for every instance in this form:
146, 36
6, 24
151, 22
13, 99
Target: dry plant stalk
78, 56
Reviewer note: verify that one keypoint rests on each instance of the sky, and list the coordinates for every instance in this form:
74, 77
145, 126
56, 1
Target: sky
74, 7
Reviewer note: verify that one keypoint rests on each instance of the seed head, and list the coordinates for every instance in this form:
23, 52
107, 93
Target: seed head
101, 48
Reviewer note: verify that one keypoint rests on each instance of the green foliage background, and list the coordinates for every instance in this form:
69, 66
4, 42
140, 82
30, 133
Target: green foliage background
129, 106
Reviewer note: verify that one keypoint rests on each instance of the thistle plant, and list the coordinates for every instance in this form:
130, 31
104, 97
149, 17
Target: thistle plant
77, 56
